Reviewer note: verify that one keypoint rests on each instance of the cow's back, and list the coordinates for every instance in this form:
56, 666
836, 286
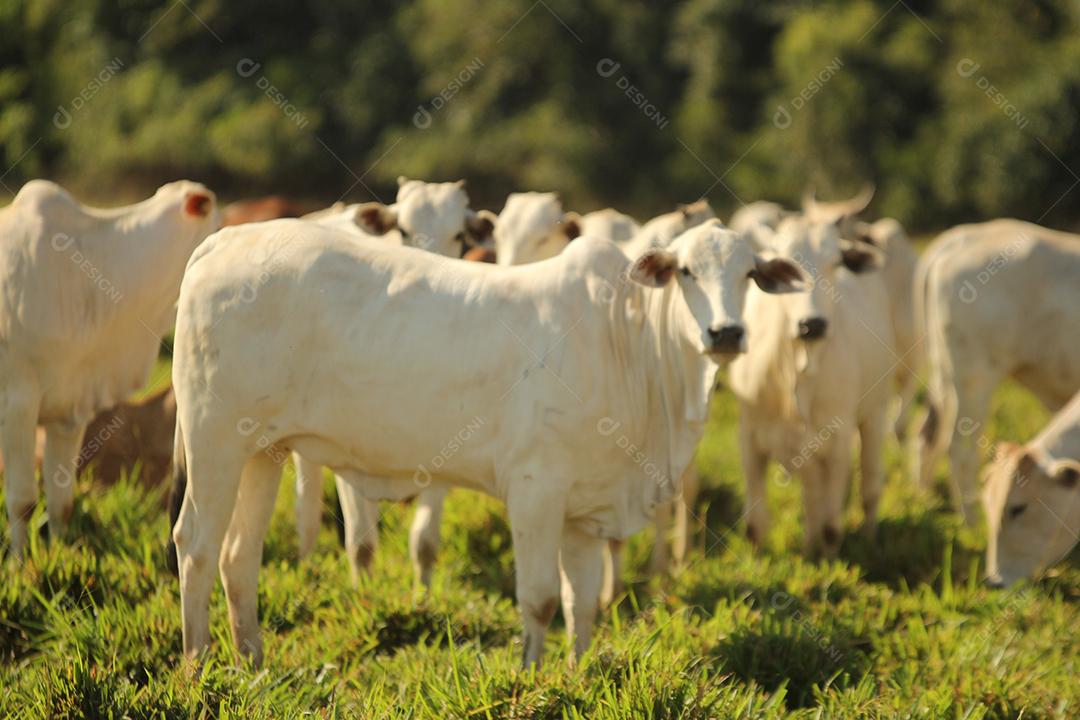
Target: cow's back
1004, 295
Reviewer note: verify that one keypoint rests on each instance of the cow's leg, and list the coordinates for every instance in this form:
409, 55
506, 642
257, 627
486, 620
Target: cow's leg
309, 496
872, 469
812, 474
18, 428
581, 563
213, 480
612, 585
62, 444
908, 383
754, 464
361, 525
242, 552
836, 481
536, 513
660, 559
424, 535
685, 502
973, 394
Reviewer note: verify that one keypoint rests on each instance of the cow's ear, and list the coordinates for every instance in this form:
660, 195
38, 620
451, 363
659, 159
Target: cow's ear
777, 275
402, 180
655, 268
197, 204
376, 219
480, 227
570, 226
1067, 473
859, 257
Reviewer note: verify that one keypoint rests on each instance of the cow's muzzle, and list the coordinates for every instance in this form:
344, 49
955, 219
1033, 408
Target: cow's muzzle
727, 339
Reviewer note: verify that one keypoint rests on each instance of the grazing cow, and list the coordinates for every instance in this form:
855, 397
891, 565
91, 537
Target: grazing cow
812, 378
1032, 500
431, 216
532, 227
261, 209
86, 296
609, 224
584, 394
995, 300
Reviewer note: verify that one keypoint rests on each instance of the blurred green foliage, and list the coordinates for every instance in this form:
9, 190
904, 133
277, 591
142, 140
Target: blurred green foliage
958, 109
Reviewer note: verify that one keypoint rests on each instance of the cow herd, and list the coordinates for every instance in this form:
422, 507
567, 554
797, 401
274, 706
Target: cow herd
568, 374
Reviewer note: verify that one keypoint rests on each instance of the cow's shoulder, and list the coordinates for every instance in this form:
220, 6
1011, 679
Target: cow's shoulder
593, 256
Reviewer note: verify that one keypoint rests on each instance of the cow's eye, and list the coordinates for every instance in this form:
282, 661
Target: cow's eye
1016, 511
686, 271
460, 237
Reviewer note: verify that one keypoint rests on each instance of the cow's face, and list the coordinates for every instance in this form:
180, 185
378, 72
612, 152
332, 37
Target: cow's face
713, 267
1032, 512
532, 227
820, 253
432, 216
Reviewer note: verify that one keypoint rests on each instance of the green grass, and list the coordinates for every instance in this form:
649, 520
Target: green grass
91, 628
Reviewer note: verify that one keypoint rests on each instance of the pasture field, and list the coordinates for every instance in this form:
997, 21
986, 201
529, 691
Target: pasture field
900, 628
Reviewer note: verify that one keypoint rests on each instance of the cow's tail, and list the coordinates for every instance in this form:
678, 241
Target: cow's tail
176, 496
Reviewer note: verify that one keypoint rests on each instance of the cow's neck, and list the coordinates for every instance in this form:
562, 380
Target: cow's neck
143, 259
680, 378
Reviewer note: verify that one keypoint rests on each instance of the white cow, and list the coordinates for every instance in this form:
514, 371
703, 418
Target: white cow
532, 227
86, 296
662, 229
887, 235
587, 394
996, 299
610, 224
898, 273
431, 216
756, 214
1032, 500
812, 378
